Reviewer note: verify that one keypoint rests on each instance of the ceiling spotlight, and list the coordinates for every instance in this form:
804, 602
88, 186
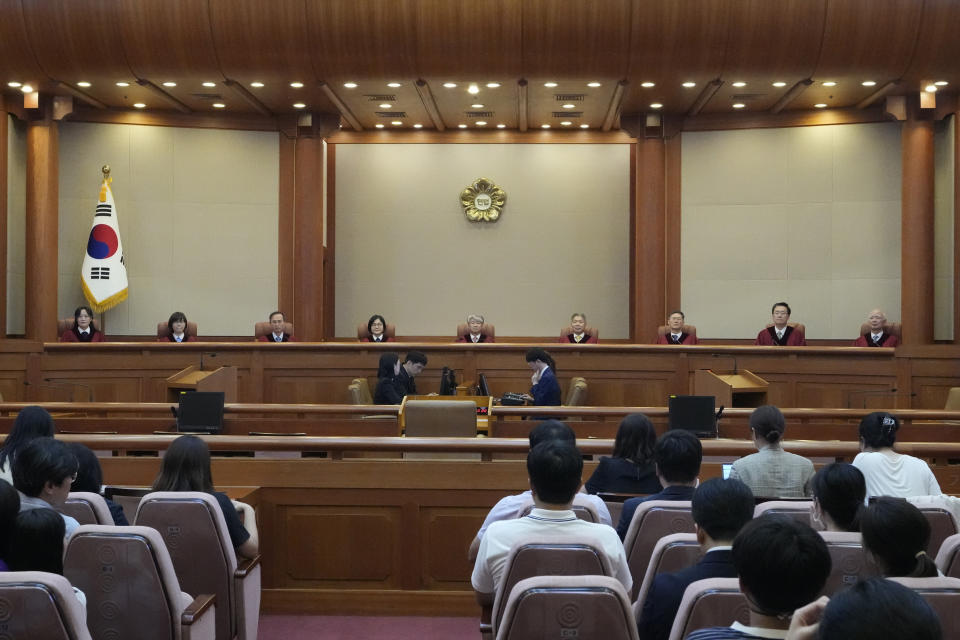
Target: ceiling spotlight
930, 88
449, 85
13, 85
170, 84
418, 126
256, 85
473, 89
689, 85
829, 83
218, 105
350, 85
647, 85
501, 126
738, 105
779, 84
941, 83
26, 88
584, 126
656, 105
481, 123
593, 85
550, 85
299, 105
868, 83
493, 85
123, 84
84, 84
385, 105
569, 106
544, 126
739, 84
393, 85
379, 126
476, 106
296, 85
821, 105
139, 105
566, 123
462, 126
209, 84
396, 123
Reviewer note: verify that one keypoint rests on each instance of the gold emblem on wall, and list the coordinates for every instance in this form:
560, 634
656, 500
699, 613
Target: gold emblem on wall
483, 201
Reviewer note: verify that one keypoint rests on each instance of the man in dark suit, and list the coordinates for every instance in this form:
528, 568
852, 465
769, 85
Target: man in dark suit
474, 332
277, 334
720, 509
413, 365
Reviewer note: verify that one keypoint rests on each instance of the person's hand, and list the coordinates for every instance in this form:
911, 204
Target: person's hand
806, 620
528, 397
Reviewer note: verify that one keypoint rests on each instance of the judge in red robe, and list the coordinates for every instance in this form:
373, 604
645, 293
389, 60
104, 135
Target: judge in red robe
675, 333
277, 320
578, 335
877, 336
780, 334
83, 329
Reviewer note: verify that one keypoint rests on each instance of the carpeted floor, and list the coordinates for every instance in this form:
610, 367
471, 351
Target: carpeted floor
366, 628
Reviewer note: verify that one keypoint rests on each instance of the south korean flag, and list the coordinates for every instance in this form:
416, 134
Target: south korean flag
104, 273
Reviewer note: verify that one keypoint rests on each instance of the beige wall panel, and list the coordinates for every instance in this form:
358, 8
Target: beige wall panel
198, 220
854, 299
789, 214
561, 245
944, 167
16, 222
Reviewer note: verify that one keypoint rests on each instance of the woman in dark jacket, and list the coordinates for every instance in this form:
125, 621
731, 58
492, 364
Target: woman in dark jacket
631, 469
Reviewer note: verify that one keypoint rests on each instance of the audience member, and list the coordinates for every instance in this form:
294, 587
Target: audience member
772, 472
677, 457
887, 472
877, 336
474, 331
413, 365
31, 422
578, 327
277, 334
37, 545
782, 564
43, 472
177, 329
720, 509
545, 390
389, 390
555, 469
895, 536
675, 333
9, 508
377, 329
631, 469
839, 492
186, 467
780, 334
83, 329
90, 479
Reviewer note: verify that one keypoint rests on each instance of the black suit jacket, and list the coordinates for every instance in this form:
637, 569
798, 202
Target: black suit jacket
666, 592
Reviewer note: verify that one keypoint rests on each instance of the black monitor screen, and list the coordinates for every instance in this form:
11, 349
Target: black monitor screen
448, 382
201, 411
482, 388
693, 413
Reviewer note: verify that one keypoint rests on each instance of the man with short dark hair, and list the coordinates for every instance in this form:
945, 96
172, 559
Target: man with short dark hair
720, 509
43, 471
780, 333
677, 456
555, 469
413, 365
277, 334
782, 564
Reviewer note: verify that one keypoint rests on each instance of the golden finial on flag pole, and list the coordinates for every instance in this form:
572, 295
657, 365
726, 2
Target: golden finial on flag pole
106, 171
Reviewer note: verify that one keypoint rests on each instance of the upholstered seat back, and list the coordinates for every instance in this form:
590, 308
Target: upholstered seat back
40, 605
390, 331
264, 329
65, 324
796, 509
799, 327
87, 508
948, 557
441, 418
715, 602
590, 332
651, 521
577, 395
359, 390
848, 561
892, 328
163, 330
671, 553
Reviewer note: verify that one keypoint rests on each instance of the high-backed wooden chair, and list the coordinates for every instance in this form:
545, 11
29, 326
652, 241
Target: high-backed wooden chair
715, 602
389, 332
672, 553
577, 392
40, 605
163, 330
651, 521
87, 508
487, 329
591, 333
264, 329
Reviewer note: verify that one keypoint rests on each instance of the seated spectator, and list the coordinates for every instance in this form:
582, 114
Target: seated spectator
377, 329
186, 467
83, 329
555, 469
772, 472
578, 326
43, 473
545, 390
677, 457
413, 365
474, 330
839, 492
631, 469
675, 334
887, 472
780, 334
390, 389
874, 609
9, 508
510, 507
720, 509
90, 479
177, 329
277, 320
37, 545
31, 423
895, 537
782, 565
877, 336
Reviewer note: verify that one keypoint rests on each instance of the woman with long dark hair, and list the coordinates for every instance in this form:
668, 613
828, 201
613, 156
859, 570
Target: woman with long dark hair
389, 388
895, 536
545, 390
31, 423
631, 468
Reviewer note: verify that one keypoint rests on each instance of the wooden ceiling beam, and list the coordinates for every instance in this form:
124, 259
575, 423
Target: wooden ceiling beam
163, 95
522, 104
791, 95
430, 104
247, 97
341, 107
613, 109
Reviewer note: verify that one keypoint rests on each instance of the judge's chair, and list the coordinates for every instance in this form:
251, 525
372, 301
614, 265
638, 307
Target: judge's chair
588, 332
577, 393
264, 329
893, 328
163, 330
487, 329
389, 332
40, 605
87, 508
131, 587
664, 330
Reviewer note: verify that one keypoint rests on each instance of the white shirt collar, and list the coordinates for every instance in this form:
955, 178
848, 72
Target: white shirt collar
475, 337
760, 632
277, 337
179, 337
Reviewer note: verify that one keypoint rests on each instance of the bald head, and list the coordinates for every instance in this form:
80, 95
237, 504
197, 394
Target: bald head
877, 319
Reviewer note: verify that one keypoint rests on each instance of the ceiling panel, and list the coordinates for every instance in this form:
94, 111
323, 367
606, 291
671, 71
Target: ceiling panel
17, 62
773, 40
451, 40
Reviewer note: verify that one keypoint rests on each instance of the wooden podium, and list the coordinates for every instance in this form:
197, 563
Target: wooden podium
195, 379
740, 389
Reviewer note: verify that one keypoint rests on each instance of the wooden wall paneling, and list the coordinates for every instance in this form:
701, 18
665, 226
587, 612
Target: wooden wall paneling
446, 531
286, 220
450, 40
649, 240
673, 237
17, 61
308, 238
330, 248
4, 194
956, 224
42, 226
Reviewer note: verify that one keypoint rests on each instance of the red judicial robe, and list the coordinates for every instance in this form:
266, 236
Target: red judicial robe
587, 339
73, 335
384, 339
768, 338
269, 338
483, 338
886, 340
685, 338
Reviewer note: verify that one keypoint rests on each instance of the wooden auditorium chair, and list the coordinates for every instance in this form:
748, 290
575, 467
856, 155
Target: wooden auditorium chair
939, 511
591, 333
893, 328
577, 393
65, 324
671, 554
463, 329
195, 533
568, 607
163, 330
848, 562
799, 327
797, 509
264, 329
87, 508
389, 332
131, 586
948, 557
651, 521
943, 596
40, 605
689, 329
714, 602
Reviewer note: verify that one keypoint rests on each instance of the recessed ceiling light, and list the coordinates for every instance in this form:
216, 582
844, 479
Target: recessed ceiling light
396, 123
218, 105
738, 105
299, 105
647, 85
868, 83
656, 105
930, 88
350, 85
449, 85
13, 85
829, 83
26, 88
84, 84
739, 84
209, 84
385, 105
566, 123
169, 84
941, 83
584, 126
296, 85
593, 85
256, 85
379, 126
779, 84
569, 106
481, 123
393, 85
493, 85
501, 126
544, 126
550, 85
689, 85
821, 105
473, 89
139, 105
123, 84
418, 126
462, 126
476, 106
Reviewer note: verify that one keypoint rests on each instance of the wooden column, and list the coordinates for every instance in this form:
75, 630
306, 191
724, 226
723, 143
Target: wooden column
649, 276
307, 310
916, 235
42, 228
956, 226
4, 194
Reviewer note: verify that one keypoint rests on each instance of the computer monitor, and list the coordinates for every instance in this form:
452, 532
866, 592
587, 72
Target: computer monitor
693, 413
201, 411
448, 382
482, 388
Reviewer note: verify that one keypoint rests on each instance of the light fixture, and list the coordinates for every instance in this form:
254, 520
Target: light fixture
593, 85
13, 85
393, 85
689, 85
299, 105
462, 126
296, 85
501, 126
350, 85
385, 105
379, 126
738, 105
26, 88
656, 105
930, 88
820, 105
168, 84
868, 83
647, 85
544, 126
449, 85
779, 84
123, 84
493, 85
209, 84
569, 106
584, 126
418, 126
218, 105
550, 85
829, 83
139, 105
473, 89
476, 106
84, 84
566, 123
481, 123
256, 85
739, 84
941, 83
396, 123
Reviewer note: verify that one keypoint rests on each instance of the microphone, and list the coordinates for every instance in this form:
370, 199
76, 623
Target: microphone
720, 413
724, 355
870, 392
212, 355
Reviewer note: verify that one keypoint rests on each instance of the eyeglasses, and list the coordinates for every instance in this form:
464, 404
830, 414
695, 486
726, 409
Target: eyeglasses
73, 478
